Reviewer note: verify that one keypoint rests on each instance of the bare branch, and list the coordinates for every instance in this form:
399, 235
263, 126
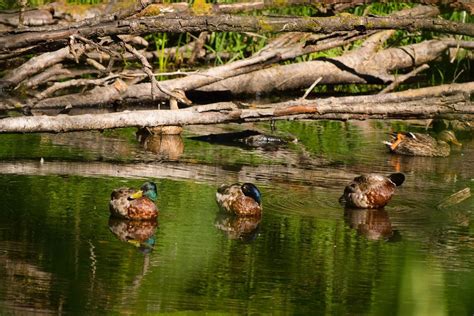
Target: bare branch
392, 105
73, 83
400, 79
226, 23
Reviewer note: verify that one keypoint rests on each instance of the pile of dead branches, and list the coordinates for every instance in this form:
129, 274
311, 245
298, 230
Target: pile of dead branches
102, 61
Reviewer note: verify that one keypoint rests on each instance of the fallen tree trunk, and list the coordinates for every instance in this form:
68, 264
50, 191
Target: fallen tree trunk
356, 67
21, 38
287, 46
364, 65
390, 105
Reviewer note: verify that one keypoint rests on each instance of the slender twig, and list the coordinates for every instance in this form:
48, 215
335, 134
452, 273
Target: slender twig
73, 83
308, 91
147, 69
399, 80
21, 17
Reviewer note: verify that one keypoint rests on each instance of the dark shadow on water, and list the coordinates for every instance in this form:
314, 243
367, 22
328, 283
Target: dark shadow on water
140, 234
374, 224
235, 227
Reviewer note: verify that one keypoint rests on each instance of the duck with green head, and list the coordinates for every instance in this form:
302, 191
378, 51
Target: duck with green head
135, 204
241, 200
418, 144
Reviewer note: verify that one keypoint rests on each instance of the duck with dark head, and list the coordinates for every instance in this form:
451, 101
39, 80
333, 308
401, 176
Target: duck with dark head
135, 204
241, 200
418, 144
371, 190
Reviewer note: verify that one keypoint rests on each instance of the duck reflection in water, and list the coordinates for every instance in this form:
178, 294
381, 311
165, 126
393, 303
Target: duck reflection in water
166, 146
244, 228
374, 224
241, 207
140, 234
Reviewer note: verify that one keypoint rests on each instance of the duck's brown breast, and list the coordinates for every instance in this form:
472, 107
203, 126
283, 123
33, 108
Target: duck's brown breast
142, 209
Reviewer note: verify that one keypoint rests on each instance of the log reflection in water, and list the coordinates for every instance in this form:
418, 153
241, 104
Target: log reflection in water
166, 146
23, 280
236, 227
325, 177
93, 142
374, 224
140, 234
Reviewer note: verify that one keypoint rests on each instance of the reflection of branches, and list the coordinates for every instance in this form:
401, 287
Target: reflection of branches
140, 234
139, 278
93, 259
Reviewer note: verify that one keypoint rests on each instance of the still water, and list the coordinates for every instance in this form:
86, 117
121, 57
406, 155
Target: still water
60, 253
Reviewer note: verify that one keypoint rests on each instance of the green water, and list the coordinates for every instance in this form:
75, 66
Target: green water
306, 256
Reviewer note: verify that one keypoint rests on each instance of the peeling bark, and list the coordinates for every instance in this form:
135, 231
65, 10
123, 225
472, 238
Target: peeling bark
227, 23
391, 105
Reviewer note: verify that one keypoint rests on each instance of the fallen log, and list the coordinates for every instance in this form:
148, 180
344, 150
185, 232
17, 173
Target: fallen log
391, 105
356, 67
21, 38
287, 46
364, 65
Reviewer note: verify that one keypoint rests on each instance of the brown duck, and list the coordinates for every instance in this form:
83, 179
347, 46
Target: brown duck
135, 204
241, 200
418, 144
371, 190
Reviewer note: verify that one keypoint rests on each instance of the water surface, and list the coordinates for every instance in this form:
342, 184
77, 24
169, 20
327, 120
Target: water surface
59, 252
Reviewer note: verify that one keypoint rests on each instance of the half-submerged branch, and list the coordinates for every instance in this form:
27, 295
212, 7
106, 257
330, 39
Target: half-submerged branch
424, 104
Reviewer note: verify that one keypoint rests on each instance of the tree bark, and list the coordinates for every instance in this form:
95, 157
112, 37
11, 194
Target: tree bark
391, 105
364, 65
226, 23
357, 67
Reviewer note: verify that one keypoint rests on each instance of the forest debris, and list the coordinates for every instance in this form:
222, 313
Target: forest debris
74, 83
455, 198
43, 61
360, 107
369, 66
29, 18
400, 79
230, 23
48, 74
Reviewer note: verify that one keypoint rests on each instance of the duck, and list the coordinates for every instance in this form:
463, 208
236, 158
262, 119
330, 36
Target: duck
134, 204
371, 190
418, 144
240, 199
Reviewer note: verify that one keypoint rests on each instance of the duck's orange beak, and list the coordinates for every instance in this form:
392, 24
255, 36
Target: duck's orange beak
456, 142
397, 142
